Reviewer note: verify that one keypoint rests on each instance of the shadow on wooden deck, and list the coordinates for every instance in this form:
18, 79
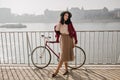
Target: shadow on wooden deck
32, 73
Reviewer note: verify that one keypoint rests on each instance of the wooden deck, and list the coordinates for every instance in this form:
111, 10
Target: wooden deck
85, 73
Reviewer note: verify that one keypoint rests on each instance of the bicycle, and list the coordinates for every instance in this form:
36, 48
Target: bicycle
44, 55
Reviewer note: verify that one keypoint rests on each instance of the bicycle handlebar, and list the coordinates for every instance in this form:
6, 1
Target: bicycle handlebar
45, 36
52, 42
48, 40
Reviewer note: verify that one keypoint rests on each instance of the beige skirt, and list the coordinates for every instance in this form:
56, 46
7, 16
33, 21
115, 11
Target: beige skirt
66, 45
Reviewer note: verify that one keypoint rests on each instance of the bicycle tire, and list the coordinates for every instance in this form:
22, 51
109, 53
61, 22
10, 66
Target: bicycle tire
81, 53
35, 53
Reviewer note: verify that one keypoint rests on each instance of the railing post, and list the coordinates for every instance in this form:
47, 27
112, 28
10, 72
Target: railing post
28, 46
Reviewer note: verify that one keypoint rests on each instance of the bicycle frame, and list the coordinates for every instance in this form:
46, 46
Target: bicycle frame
46, 45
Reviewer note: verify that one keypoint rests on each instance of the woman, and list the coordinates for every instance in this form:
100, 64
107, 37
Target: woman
66, 35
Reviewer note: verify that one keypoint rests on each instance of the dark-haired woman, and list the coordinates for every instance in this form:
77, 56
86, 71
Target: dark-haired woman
66, 35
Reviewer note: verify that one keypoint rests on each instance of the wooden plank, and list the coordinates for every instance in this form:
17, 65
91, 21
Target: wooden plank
76, 75
19, 73
9, 73
108, 74
5, 76
37, 72
28, 73
1, 72
25, 75
33, 73
96, 74
16, 77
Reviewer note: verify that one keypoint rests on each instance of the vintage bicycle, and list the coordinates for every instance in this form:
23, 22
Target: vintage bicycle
41, 55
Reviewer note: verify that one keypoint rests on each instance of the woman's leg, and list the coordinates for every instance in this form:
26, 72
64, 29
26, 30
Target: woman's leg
66, 66
58, 67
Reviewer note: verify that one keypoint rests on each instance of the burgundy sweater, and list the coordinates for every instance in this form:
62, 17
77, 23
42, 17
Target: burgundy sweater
71, 30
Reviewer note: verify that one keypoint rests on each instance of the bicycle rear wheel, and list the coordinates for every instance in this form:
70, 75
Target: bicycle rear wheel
41, 57
79, 58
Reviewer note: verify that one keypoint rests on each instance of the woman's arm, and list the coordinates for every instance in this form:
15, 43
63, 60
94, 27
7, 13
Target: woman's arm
57, 31
74, 33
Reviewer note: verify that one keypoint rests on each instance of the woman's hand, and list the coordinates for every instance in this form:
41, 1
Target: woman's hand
74, 45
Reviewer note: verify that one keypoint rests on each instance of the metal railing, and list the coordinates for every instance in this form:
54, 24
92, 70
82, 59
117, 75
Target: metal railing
101, 46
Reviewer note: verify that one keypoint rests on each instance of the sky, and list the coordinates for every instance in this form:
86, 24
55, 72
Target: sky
38, 6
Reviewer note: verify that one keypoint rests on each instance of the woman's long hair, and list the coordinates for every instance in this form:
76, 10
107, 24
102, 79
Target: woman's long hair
62, 17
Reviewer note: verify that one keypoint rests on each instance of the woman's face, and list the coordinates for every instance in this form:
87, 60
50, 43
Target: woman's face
66, 15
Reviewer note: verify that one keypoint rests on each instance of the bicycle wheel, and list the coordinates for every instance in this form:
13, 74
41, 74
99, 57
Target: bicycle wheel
41, 57
79, 58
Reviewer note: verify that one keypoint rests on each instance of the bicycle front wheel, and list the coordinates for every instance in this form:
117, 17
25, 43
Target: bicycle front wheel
79, 58
41, 57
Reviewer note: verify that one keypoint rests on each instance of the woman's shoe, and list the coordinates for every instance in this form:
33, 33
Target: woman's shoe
66, 73
53, 75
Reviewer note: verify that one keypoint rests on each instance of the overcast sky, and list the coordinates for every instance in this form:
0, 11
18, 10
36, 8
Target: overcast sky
38, 6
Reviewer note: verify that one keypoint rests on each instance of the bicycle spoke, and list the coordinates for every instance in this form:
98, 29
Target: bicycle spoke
42, 53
